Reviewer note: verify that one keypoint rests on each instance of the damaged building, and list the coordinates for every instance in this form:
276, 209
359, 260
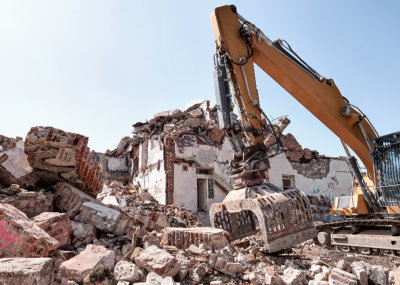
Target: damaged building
58, 233
182, 158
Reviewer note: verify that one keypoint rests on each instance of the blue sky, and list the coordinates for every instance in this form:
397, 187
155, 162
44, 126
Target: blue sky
96, 67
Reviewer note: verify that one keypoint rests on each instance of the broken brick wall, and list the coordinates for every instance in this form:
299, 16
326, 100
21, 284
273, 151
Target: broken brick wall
118, 164
311, 172
56, 155
175, 139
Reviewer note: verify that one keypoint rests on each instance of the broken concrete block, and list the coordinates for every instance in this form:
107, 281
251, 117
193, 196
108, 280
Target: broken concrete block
56, 155
378, 274
78, 267
273, 280
196, 250
233, 268
341, 277
225, 266
159, 261
184, 237
31, 203
100, 216
110, 200
148, 218
126, 271
57, 225
315, 269
323, 274
85, 209
362, 275
343, 265
15, 168
242, 258
197, 273
155, 279
104, 218
294, 276
26, 271
149, 240
69, 199
20, 237
82, 233
218, 282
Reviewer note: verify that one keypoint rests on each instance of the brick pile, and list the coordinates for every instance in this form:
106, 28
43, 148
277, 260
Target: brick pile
56, 155
66, 234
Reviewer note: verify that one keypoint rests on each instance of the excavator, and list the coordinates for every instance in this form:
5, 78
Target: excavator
283, 217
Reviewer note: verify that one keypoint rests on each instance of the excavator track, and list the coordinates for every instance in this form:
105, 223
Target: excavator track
367, 236
361, 222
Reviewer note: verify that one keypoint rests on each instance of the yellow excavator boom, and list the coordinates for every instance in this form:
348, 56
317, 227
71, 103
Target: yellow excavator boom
318, 95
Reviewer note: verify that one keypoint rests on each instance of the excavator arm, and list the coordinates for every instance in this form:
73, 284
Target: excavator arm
242, 44
283, 216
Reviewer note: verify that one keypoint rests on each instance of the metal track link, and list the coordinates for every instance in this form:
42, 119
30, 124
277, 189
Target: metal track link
367, 236
361, 222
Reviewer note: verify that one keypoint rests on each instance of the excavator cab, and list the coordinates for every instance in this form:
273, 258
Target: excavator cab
386, 158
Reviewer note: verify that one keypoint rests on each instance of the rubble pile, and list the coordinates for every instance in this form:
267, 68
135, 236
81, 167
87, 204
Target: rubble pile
56, 155
14, 166
79, 230
118, 164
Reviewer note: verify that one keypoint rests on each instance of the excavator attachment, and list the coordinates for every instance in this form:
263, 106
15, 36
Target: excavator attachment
282, 216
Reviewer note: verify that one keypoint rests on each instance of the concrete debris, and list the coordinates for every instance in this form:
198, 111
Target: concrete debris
104, 218
27, 271
159, 261
83, 234
155, 279
341, 277
376, 274
21, 237
184, 237
343, 265
56, 155
60, 224
126, 271
70, 199
294, 276
117, 165
78, 267
14, 165
57, 225
196, 250
29, 202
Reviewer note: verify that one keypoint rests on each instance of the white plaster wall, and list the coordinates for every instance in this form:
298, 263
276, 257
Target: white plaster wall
206, 113
339, 168
213, 157
206, 154
185, 188
155, 151
219, 196
117, 164
154, 179
143, 154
